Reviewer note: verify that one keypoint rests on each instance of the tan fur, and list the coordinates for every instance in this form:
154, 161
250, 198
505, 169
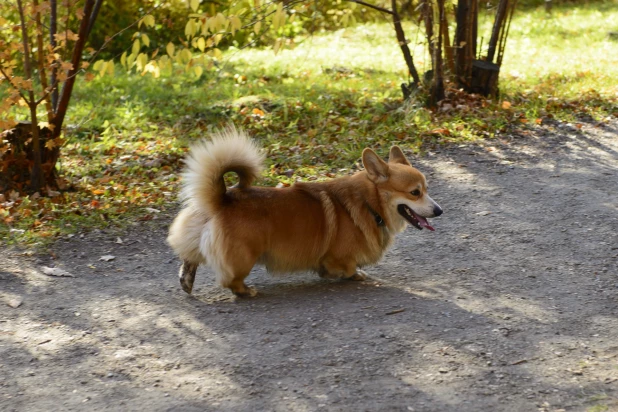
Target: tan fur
332, 228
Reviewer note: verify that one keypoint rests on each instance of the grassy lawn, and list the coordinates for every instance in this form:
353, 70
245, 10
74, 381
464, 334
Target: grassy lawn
313, 108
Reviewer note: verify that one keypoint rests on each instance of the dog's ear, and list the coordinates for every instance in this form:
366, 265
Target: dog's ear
376, 168
397, 156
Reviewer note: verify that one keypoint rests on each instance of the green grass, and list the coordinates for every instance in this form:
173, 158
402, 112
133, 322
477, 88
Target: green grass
313, 108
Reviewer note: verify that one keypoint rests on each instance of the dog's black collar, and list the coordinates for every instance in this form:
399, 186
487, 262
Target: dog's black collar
376, 216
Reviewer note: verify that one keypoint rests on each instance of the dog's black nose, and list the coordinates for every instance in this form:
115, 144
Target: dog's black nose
437, 210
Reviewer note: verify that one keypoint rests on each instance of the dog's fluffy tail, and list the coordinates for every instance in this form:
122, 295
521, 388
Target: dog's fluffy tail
229, 150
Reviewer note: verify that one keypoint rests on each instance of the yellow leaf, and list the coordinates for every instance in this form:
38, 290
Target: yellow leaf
50, 144
136, 47
97, 65
235, 23
198, 71
141, 61
145, 39
170, 49
149, 20
217, 53
221, 22
190, 28
201, 44
110, 67
123, 60
131, 60
278, 18
506, 105
103, 68
277, 45
206, 26
257, 27
194, 4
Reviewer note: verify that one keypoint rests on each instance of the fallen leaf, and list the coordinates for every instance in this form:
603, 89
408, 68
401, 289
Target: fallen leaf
392, 312
506, 105
519, 362
483, 213
56, 272
107, 258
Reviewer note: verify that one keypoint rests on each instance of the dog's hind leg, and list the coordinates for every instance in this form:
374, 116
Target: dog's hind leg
233, 272
187, 275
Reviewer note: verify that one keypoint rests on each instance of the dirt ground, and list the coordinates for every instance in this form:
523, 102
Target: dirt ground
511, 305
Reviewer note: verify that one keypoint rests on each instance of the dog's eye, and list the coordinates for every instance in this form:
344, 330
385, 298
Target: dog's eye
415, 192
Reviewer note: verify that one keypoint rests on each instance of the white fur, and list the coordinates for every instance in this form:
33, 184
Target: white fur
193, 234
209, 160
185, 234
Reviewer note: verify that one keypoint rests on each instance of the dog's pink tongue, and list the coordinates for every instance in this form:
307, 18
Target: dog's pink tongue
424, 223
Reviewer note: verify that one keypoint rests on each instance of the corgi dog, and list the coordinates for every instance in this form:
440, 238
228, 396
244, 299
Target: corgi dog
333, 228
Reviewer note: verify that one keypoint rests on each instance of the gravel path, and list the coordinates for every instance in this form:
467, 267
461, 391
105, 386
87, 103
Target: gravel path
511, 305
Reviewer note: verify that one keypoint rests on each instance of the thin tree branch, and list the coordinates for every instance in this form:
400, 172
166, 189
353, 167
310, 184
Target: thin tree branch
93, 15
78, 47
403, 43
382, 9
498, 29
40, 59
53, 21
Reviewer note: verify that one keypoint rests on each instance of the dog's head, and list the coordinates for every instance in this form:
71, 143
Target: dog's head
403, 188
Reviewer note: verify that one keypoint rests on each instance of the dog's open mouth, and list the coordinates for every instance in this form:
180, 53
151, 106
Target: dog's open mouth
415, 220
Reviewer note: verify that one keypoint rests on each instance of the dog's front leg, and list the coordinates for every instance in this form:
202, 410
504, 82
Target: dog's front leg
359, 275
187, 275
347, 271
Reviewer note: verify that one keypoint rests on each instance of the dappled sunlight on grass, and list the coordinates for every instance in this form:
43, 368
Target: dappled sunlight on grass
313, 108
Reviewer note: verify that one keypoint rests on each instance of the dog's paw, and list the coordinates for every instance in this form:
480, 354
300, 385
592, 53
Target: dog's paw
186, 286
248, 292
187, 276
359, 276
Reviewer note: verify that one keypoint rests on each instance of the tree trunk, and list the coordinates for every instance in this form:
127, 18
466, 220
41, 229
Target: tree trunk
484, 79
437, 87
497, 29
